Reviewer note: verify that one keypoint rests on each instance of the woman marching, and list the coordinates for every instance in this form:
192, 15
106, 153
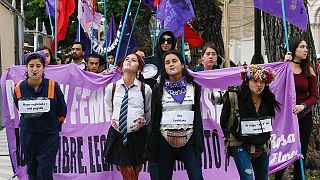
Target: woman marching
306, 96
39, 130
129, 105
177, 131
251, 103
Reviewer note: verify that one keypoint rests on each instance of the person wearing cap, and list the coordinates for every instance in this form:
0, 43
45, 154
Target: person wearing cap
250, 147
128, 102
40, 125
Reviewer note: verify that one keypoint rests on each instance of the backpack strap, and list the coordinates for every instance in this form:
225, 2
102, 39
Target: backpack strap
17, 90
51, 84
234, 114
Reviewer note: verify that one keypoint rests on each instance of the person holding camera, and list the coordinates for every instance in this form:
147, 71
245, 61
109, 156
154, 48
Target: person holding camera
246, 120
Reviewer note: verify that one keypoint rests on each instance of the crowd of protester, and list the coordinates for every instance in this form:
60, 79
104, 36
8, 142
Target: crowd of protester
153, 137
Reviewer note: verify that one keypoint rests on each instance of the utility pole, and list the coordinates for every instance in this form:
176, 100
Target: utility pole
227, 33
257, 57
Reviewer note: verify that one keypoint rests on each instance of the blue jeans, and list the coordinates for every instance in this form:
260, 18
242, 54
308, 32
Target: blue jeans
167, 155
248, 166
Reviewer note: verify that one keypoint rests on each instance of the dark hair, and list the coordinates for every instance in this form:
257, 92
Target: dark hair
305, 64
134, 50
102, 60
164, 74
52, 60
83, 47
214, 47
111, 55
93, 56
266, 96
34, 56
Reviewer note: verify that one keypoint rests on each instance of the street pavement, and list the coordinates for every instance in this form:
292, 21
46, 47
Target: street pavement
5, 163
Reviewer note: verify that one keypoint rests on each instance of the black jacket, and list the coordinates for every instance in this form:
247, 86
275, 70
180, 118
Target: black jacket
156, 116
246, 110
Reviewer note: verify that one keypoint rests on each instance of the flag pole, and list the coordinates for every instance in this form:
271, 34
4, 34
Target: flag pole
55, 31
285, 25
155, 32
183, 50
134, 22
79, 31
92, 35
105, 32
122, 32
288, 50
52, 31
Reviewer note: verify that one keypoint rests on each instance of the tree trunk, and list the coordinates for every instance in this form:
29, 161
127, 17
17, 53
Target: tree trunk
275, 44
141, 30
208, 23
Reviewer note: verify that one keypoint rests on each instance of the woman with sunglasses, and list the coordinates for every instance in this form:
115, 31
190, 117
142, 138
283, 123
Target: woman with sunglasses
177, 96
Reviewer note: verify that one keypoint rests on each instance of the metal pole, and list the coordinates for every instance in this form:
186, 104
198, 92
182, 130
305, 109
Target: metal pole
55, 31
122, 32
105, 32
21, 33
227, 33
35, 36
134, 22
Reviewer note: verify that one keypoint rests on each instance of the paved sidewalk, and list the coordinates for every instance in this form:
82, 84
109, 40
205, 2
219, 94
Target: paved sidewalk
5, 163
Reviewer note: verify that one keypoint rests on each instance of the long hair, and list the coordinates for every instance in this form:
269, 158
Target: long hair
305, 64
266, 96
165, 75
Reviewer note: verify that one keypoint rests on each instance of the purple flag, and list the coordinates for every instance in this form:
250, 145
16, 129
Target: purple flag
50, 4
295, 10
174, 14
125, 39
86, 16
97, 48
149, 4
112, 31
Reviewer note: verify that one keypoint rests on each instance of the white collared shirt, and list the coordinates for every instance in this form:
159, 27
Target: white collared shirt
136, 108
82, 66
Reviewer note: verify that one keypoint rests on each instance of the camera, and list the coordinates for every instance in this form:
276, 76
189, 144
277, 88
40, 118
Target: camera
217, 97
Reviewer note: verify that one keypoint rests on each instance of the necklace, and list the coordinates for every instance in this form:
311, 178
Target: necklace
295, 62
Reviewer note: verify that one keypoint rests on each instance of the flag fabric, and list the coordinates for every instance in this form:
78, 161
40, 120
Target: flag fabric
191, 37
295, 10
125, 39
87, 15
65, 9
175, 14
156, 3
50, 4
149, 4
112, 30
97, 48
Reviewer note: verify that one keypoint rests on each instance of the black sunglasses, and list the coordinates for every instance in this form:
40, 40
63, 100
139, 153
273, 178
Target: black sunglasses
163, 40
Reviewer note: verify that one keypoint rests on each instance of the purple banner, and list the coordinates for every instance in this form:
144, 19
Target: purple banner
84, 132
174, 14
295, 10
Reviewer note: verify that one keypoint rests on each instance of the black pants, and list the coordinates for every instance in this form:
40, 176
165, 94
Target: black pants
305, 129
